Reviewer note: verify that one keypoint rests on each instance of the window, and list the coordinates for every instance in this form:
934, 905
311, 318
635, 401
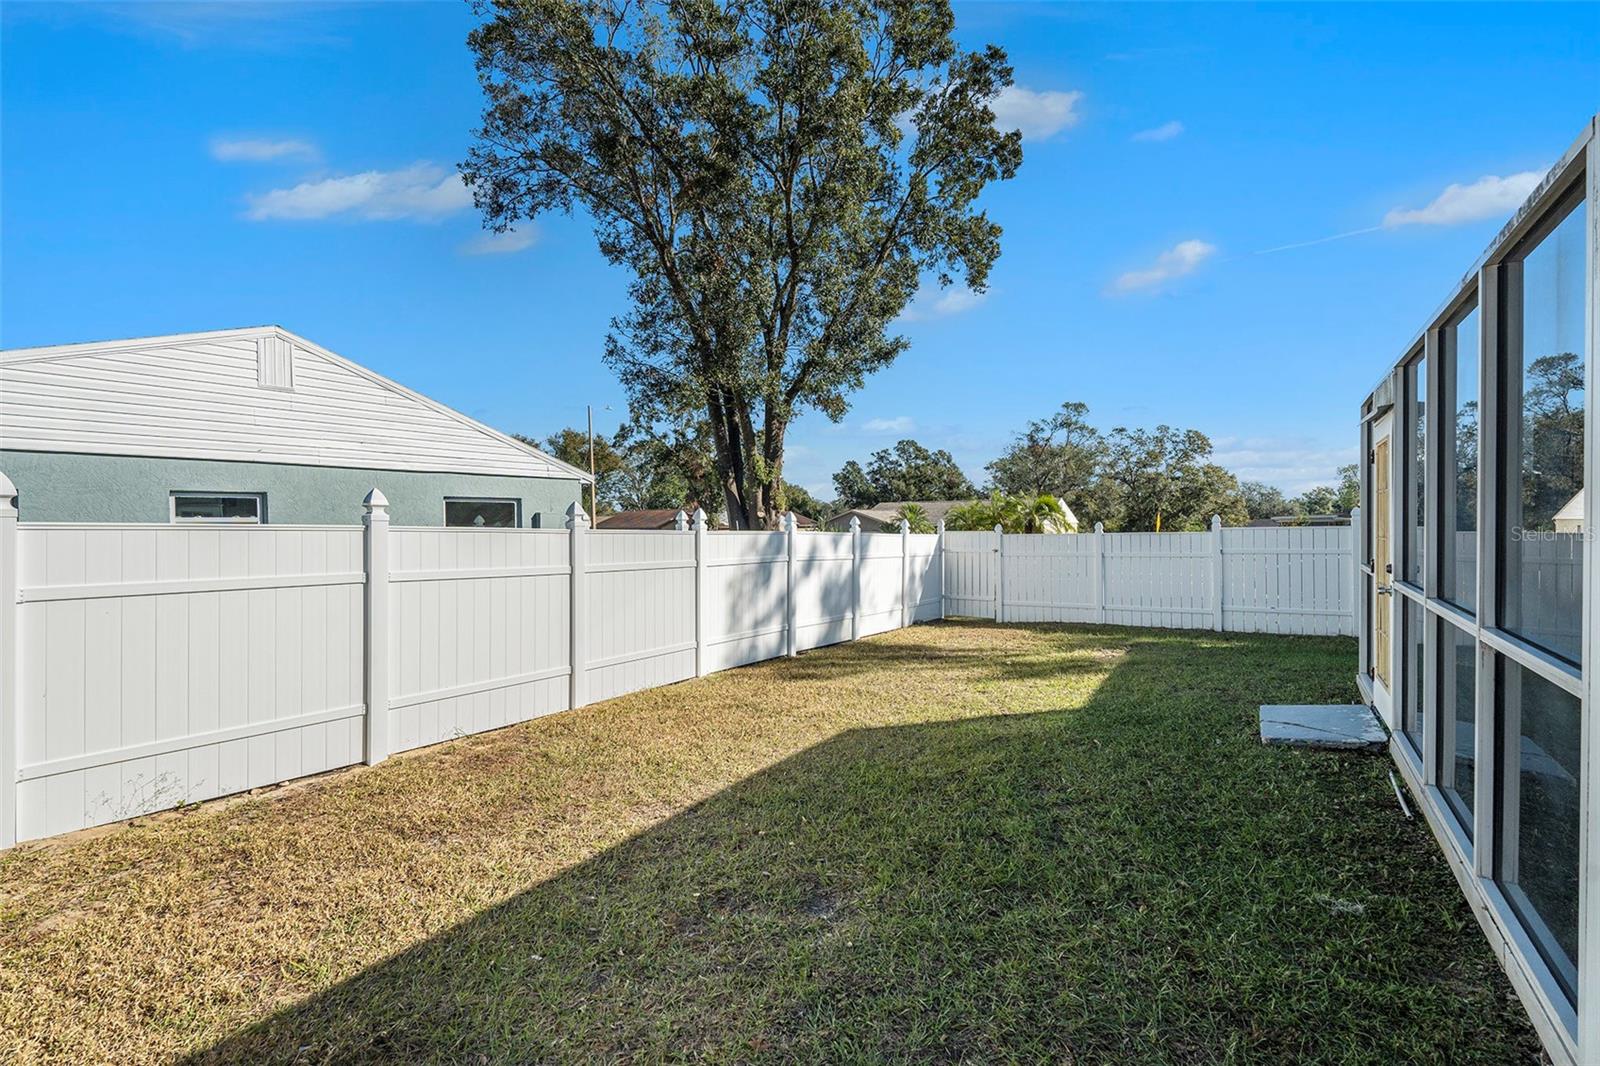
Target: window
483, 514
1413, 525
1411, 711
240, 508
1458, 715
1458, 436
1541, 457
1539, 782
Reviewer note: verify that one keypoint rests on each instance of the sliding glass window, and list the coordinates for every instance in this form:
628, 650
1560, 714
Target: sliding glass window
1458, 716
1539, 469
1412, 633
1413, 522
1541, 460
1458, 449
1539, 779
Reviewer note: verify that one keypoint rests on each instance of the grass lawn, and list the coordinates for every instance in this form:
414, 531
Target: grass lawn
953, 842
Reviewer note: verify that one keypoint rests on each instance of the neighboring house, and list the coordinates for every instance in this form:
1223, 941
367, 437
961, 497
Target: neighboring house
1570, 518
873, 518
665, 518
253, 425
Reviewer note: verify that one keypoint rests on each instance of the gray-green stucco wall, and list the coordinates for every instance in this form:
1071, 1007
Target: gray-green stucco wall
68, 487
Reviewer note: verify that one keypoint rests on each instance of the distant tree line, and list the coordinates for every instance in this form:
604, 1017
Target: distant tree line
1127, 478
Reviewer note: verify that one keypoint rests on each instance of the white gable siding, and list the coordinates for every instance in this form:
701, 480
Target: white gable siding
203, 397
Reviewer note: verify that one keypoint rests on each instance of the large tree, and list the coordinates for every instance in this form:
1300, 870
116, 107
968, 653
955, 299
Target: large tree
672, 468
908, 471
571, 446
1058, 456
1264, 501
1164, 479
777, 176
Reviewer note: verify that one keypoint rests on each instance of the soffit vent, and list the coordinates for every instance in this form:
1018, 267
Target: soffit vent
275, 363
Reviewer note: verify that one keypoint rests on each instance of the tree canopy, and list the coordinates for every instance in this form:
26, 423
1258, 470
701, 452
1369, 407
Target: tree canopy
776, 175
908, 471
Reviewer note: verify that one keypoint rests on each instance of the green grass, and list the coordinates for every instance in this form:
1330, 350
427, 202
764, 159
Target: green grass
957, 842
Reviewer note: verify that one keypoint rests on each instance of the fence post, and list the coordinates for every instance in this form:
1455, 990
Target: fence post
680, 522
578, 558
1355, 574
905, 574
1216, 572
790, 614
700, 665
855, 577
999, 573
10, 565
1097, 579
939, 547
375, 520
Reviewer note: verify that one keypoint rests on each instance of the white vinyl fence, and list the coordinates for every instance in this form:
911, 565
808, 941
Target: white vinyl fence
143, 666
1279, 580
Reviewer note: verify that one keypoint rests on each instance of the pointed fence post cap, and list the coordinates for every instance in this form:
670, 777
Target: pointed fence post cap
680, 521
577, 517
700, 518
855, 523
1216, 521
939, 529
1099, 527
789, 523
998, 528
375, 501
905, 525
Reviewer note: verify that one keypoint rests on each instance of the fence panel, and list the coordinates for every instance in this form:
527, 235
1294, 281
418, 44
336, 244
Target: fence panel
1050, 578
925, 588
746, 586
880, 583
163, 665
1158, 579
640, 588
824, 597
970, 565
477, 630
1288, 580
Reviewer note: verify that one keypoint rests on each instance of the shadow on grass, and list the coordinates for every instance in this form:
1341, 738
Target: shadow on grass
1132, 878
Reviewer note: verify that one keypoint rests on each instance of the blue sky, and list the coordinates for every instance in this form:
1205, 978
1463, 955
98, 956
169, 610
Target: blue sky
172, 167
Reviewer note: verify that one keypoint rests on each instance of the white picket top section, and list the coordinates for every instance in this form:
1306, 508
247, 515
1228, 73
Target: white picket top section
162, 665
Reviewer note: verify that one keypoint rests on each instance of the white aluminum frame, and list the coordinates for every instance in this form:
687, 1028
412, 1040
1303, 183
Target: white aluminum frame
1570, 1030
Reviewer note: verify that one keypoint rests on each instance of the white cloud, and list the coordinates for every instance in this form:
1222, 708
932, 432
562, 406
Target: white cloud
933, 302
1037, 114
1182, 258
422, 191
1164, 132
1293, 464
260, 149
512, 240
898, 424
1488, 197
